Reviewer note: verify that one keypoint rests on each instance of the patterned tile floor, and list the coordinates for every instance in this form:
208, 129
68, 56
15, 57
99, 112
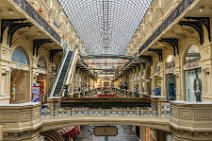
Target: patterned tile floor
124, 134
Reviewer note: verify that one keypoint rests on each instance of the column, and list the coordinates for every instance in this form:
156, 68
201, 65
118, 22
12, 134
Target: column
152, 79
140, 80
179, 78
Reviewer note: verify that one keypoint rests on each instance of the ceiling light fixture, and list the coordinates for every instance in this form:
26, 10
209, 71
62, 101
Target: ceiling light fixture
201, 9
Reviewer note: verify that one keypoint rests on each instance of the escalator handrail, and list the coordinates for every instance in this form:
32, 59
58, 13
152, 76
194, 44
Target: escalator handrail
67, 72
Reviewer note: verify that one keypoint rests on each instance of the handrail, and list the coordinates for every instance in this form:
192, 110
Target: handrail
139, 108
53, 84
72, 60
67, 69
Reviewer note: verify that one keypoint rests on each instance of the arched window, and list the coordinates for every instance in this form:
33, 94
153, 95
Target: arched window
192, 55
20, 56
42, 63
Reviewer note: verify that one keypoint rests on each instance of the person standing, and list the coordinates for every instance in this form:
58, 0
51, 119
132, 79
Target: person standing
198, 88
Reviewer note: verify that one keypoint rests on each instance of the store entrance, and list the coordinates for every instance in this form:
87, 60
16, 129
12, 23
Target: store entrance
171, 86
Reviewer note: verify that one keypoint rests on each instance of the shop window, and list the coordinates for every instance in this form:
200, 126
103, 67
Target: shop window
193, 81
193, 84
20, 56
192, 55
42, 63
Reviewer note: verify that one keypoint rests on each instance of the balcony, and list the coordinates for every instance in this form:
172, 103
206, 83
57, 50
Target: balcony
162, 115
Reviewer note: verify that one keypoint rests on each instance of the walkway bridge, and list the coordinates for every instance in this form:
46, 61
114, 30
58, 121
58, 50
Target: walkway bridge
19, 120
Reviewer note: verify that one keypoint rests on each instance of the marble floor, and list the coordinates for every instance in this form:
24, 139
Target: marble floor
124, 134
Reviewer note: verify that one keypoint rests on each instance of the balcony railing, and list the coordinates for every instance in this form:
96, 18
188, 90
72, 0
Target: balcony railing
106, 91
95, 107
20, 119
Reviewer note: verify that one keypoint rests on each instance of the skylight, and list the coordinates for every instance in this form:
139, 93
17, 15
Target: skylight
105, 26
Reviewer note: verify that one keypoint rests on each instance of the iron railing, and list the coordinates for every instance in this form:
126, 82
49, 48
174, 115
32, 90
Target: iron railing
104, 107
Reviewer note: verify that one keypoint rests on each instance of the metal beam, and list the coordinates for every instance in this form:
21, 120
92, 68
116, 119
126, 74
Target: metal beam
38, 43
195, 25
7, 22
173, 42
159, 52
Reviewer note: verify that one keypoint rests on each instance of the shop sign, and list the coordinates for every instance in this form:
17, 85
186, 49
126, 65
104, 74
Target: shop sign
191, 66
35, 92
105, 130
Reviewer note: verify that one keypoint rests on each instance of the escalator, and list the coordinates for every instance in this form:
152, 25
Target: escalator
67, 63
63, 74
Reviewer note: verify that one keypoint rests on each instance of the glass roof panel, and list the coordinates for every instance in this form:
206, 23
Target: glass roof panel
105, 26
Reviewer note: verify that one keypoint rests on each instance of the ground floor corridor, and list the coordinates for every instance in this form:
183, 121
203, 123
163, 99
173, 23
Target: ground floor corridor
125, 133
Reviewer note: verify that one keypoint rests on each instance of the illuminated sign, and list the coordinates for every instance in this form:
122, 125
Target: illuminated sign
105, 131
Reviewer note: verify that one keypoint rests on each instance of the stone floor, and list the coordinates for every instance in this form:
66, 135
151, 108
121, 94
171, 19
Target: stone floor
124, 134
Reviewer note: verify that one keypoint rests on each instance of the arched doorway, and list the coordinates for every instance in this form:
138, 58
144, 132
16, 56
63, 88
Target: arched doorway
42, 77
170, 78
20, 76
192, 74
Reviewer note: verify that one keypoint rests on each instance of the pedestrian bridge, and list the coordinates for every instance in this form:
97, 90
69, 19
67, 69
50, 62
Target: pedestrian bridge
162, 115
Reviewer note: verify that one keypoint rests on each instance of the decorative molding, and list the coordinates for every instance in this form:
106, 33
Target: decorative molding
159, 52
38, 43
170, 19
173, 42
13, 27
197, 26
36, 17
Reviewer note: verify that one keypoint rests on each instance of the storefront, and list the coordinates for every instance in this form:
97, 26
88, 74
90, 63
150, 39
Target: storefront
192, 75
20, 76
170, 78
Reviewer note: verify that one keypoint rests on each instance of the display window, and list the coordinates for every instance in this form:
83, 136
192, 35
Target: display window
193, 84
170, 78
192, 75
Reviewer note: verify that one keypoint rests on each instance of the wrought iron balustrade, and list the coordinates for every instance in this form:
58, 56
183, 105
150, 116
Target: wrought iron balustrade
104, 108
107, 91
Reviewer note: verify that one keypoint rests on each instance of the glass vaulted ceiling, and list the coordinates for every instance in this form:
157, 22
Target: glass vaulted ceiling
105, 26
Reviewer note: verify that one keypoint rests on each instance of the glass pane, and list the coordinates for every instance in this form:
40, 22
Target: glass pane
20, 56
105, 26
192, 55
